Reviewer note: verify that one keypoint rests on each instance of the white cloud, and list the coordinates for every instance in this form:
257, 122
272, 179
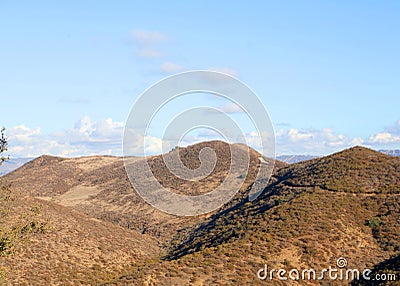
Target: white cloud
389, 138
295, 135
87, 137
225, 70
153, 145
149, 53
74, 100
92, 136
312, 141
23, 133
138, 145
384, 138
146, 37
148, 43
231, 108
27, 142
326, 140
170, 67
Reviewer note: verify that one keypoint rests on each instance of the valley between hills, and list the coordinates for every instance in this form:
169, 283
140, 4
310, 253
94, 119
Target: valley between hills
78, 221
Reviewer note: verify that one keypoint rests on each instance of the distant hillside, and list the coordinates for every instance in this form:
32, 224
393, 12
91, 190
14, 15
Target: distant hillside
12, 164
290, 159
391, 152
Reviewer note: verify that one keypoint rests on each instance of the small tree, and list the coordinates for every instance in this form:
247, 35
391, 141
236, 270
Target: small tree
3, 145
14, 232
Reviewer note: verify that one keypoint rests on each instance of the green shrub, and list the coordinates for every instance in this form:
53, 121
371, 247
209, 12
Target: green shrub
374, 222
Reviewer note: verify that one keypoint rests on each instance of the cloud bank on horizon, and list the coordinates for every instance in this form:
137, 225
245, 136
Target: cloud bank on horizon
88, 137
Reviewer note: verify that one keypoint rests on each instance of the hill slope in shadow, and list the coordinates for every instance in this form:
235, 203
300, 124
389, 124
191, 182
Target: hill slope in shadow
343, 205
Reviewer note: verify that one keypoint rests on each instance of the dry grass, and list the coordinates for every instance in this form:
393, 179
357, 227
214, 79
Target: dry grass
73, 248
311, 213
296, 222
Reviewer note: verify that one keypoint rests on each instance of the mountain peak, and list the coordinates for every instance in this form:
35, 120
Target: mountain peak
45, 160
354, 170
360, 152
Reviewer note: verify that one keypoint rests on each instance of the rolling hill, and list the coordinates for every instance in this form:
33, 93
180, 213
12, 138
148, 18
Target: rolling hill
99, 187
309, 214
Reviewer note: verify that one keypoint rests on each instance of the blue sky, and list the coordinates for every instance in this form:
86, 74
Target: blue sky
327, 71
